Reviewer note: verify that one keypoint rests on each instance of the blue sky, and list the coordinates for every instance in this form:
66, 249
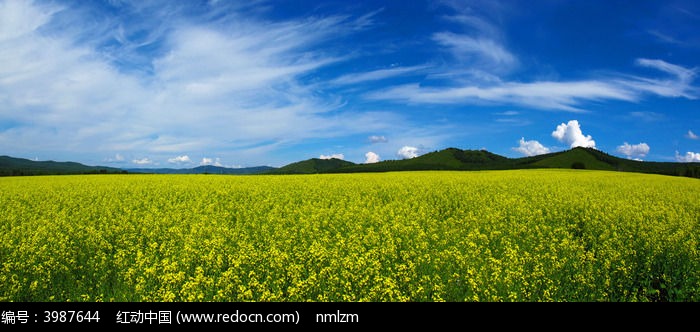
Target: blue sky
248, 83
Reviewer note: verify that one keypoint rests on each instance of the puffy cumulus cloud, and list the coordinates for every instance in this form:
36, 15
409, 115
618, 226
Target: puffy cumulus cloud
210, 161
570, 134
691, 135
408, 152
689, 157
371, 157
530, 148
635, 151
142, 161
180, 160
333, 156
118, 158
377, 139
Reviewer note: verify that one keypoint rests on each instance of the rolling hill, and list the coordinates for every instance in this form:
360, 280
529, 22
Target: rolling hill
447, 159
18, 166
456, 159
313, 166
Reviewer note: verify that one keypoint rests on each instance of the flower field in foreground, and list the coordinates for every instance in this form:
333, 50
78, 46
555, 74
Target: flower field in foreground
527, 235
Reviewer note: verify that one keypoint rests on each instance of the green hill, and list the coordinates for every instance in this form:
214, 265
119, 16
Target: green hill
575, 158
456, 159
10, 166
312, 166
589, 158
447, 159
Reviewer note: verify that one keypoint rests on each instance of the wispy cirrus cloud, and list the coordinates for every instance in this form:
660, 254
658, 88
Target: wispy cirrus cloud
552, 95
678, 85
479, 73
646, 116
377, 75
544, 95
691, 135
478, 49
186, 79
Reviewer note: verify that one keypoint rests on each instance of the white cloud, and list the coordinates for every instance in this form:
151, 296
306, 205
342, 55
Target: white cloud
158, 78
564, 96
118, 158
689, 157
466, 47
377, 75
665, 38
691, 135
210, 161
142, 161
180, 160
682, 73
647, 116
635, 151
333, 156
81, 81
531, 148
408, 152
480, 45
543, 95
377, 139
480, 40
571, 135
371, 157
679, 85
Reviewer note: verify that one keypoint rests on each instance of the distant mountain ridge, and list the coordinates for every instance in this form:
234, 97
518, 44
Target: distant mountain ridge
10, 166
447, 159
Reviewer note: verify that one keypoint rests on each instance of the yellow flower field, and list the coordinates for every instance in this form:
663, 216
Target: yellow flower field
527, 235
